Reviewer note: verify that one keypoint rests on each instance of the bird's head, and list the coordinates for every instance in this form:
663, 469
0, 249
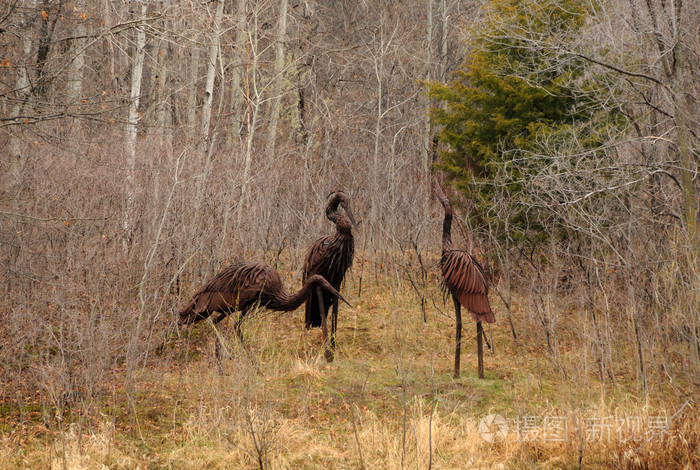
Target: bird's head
336, 199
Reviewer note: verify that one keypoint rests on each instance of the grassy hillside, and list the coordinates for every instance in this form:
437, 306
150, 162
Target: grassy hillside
388, 400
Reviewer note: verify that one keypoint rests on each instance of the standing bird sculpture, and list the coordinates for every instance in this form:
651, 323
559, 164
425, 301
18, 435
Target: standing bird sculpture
465, 279
244, 286
331, 257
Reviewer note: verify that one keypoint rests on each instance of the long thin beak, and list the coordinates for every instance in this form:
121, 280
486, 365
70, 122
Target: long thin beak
348, 211
343, 299
337, 294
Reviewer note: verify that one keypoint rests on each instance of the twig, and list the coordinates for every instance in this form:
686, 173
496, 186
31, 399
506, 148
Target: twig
357, 436
440, 311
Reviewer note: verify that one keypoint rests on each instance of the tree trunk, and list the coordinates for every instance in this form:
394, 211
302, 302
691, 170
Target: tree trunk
192, 93
253, 99
238, 95
631, 265
443, 40
132, 122
163, 110
23, 92
75, 73
686, 158
215, 39
279, 69
428, 64
673, 65
379, 71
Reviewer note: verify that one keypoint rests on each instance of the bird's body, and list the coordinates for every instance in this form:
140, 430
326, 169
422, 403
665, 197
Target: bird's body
465, 279
330, 256
244, 286
240, 287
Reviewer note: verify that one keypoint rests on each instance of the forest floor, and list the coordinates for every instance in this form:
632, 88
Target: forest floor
388, 401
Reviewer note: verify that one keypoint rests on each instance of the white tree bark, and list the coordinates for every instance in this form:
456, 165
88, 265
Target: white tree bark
211, 76
379, 67
253, 99
163, 116
238, 97
279, 69
132, 122
247, 158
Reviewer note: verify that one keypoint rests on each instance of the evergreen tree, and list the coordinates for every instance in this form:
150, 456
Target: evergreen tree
509, 95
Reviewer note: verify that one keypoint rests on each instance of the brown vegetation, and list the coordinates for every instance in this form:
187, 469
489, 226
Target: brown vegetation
116, 205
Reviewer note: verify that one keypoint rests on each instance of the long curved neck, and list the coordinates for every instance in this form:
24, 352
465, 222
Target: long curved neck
447, 227
342, 224
288, 302
332, 208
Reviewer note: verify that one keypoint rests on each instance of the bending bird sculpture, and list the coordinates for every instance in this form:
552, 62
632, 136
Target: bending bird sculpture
465, 279
331, 257
242, 287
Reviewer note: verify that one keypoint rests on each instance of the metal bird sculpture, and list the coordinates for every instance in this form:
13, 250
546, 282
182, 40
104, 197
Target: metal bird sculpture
331, 257
244, 286
465, 279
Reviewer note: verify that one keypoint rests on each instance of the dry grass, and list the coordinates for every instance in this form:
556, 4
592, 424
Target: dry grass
387, 402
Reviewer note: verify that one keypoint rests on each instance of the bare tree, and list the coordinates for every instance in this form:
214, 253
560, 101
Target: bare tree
212, 58
239, 83
278, 78
133, 118
23, 90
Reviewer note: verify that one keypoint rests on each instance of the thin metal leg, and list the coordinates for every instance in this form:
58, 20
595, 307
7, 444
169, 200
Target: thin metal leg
458, 335
480, 348
324, 325
334, 323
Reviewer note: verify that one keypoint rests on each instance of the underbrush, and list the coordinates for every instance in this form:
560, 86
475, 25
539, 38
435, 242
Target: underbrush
388, 401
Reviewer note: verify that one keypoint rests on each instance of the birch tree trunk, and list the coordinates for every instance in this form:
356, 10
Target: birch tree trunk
375, 158
132, 122
379, 73
211, 76
279, 68
238, 96
163, 110
253, 100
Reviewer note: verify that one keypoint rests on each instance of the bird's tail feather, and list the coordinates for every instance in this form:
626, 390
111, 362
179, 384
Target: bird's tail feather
479, 307
484, 317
